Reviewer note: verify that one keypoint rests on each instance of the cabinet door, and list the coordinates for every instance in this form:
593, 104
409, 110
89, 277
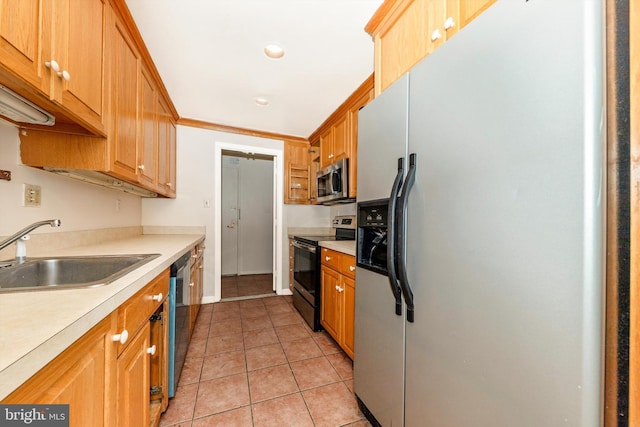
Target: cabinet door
148, 153
470, 9
403, 42
80, 377
326, 148
133, 382
196, 275
166, 150
341, 139
158, 380
80, 44
348, 314
329, 310
25, 29
353, 153
124, 105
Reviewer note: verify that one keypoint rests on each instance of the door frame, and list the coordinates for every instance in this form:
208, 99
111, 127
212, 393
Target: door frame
278, 198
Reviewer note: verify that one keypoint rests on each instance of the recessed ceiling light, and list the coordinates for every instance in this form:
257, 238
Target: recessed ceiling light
263, 102
274, 51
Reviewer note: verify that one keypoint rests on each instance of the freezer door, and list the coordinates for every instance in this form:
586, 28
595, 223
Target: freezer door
382, 140
379, 333
505, 221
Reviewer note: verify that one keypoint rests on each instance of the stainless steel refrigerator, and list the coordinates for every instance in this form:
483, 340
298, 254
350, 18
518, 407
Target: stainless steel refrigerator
498, 231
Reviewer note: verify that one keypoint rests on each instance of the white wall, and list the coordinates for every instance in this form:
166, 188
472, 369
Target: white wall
79, 205
195, 181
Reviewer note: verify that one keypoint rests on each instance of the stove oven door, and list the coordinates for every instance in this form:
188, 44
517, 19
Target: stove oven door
306, 271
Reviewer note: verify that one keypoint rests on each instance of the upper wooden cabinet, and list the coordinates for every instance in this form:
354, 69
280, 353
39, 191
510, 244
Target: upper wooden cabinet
124, 106
138, 153
335, 143
56, 51
405, 31
337, 137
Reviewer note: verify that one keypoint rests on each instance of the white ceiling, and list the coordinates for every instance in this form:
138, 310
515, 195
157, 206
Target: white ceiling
209, 54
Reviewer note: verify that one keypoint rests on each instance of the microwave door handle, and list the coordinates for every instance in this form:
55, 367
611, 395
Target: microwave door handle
392, 239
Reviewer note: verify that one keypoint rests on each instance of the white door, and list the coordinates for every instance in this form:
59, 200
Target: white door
229, 208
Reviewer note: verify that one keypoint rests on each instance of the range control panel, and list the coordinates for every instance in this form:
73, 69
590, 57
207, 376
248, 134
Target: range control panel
344, 221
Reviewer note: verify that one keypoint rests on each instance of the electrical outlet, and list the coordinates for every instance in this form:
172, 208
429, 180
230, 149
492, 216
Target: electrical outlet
32, 195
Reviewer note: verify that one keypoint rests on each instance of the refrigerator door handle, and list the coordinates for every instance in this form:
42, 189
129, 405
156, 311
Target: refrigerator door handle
392, 237
402, 256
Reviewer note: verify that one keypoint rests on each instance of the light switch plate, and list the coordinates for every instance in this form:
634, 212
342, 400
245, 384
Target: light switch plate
32, 195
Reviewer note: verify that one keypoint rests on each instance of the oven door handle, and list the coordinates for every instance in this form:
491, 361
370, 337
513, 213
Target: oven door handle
304, 247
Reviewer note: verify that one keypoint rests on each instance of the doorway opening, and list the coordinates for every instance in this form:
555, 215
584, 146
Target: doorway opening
247, 212
275, 218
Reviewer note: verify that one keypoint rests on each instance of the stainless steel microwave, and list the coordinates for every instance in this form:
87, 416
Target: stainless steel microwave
333, 183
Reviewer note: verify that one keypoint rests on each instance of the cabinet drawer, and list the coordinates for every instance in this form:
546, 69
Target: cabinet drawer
331, 258
348, 265
133, 314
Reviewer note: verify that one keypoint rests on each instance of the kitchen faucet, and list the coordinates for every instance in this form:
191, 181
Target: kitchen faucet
21, 236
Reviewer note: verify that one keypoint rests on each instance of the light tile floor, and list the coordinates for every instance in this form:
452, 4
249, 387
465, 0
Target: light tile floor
236, 287
256, 363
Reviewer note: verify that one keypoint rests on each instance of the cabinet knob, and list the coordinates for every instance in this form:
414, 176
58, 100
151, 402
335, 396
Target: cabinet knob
169, 184
53, 65
327, 258
157, 297
191, 284
122, 337
141, 167
436, 35
449, 23
151, 350
330, 156
64, 74
339, 288
352, 268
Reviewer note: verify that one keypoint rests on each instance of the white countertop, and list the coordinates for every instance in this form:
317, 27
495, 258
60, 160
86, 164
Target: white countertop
37, 326
345, 246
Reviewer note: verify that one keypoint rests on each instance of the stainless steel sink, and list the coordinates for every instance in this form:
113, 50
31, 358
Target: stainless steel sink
69, 272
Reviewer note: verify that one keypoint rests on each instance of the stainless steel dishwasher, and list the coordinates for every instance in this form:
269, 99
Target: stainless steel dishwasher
179, 298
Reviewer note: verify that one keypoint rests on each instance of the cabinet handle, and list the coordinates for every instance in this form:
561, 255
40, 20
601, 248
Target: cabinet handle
141, 167
330, 156
339, 289
64, 74
201, 267
53, 65
327, 258
191, 284
122, 337
449, 23
352, 268
151, 350
169, 184
436, 35
157, 297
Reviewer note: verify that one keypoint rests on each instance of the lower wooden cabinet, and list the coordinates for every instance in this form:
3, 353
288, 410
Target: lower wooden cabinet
115, 374
337, 311
82, 377
196, 284
133, 373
